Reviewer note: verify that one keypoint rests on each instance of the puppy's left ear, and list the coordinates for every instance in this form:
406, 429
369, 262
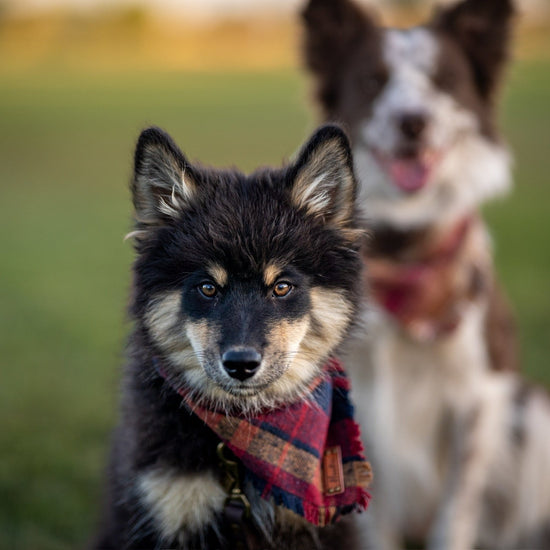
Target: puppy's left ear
483, 29
323, 182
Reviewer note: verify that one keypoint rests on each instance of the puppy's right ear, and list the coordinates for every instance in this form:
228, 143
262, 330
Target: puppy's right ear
333, 28
163, 182
322, 179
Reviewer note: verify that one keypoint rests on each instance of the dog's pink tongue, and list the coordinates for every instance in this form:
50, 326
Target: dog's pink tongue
409, 174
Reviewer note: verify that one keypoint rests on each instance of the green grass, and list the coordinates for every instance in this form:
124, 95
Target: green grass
521, 223
65, 155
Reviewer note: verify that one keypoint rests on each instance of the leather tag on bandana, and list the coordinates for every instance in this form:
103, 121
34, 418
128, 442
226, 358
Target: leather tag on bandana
333, 473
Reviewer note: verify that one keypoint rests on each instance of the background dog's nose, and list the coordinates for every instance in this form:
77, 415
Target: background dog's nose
412, 124
241, 363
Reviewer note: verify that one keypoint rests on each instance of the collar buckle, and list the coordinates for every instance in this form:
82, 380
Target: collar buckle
231, 482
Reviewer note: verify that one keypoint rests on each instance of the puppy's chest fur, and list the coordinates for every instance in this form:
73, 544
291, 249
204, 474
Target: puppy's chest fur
181, 504
177, 499
170, 482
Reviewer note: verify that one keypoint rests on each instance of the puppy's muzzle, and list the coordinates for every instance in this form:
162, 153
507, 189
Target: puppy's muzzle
241, 363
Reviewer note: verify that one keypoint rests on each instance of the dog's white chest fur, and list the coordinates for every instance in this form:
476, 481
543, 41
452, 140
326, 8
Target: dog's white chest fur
406, 393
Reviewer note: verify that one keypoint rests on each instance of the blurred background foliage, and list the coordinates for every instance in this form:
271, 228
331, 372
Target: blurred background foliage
76, 87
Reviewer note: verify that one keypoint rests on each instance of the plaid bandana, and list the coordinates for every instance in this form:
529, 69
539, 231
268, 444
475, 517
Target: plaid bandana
307, 457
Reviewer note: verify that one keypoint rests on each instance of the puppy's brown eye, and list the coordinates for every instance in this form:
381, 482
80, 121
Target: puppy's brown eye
281, 289
208, 290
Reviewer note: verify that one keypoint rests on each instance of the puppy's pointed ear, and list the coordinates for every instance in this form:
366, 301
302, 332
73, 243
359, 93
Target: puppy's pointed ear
163, 182
323, 182
332, 30
483, 30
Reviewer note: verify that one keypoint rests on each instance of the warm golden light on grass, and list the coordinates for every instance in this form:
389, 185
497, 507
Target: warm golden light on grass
133, 39
147, 42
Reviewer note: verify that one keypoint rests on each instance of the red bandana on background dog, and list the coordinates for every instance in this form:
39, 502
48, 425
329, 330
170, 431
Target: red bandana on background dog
426, 292
307, 457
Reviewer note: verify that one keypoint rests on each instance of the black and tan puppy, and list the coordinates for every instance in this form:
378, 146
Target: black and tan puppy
243, 288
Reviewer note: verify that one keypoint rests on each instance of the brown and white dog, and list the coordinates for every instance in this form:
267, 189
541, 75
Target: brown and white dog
453, 432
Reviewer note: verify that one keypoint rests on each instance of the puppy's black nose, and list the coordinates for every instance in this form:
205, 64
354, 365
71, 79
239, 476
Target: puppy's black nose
412, 124
241, 363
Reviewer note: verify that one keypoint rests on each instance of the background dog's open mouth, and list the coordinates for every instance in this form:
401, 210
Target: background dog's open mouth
409, 173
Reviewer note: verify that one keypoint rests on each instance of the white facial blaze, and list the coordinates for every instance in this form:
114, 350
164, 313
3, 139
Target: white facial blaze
471, 168
410, 57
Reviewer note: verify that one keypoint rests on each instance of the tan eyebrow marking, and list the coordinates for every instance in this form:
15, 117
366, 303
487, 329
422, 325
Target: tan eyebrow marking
271, 274
218, 273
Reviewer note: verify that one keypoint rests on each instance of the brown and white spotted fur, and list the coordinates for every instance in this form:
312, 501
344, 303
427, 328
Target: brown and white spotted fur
455, 436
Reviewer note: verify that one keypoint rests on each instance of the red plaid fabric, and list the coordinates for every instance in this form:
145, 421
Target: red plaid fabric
308, 456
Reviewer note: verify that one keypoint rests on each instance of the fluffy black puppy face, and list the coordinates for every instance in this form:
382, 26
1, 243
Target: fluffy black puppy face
245, 284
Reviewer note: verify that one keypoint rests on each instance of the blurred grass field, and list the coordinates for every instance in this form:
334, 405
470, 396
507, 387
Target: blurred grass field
65, 155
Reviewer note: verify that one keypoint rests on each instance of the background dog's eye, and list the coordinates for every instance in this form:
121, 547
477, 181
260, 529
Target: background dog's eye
281, 289
208, 289
445, 79
371, 84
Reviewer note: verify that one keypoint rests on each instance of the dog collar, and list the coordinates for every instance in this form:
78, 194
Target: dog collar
426, 290
307, 456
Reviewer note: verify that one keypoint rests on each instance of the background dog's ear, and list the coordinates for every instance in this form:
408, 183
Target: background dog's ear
322, 178
163, 181
483, 29
333, 28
